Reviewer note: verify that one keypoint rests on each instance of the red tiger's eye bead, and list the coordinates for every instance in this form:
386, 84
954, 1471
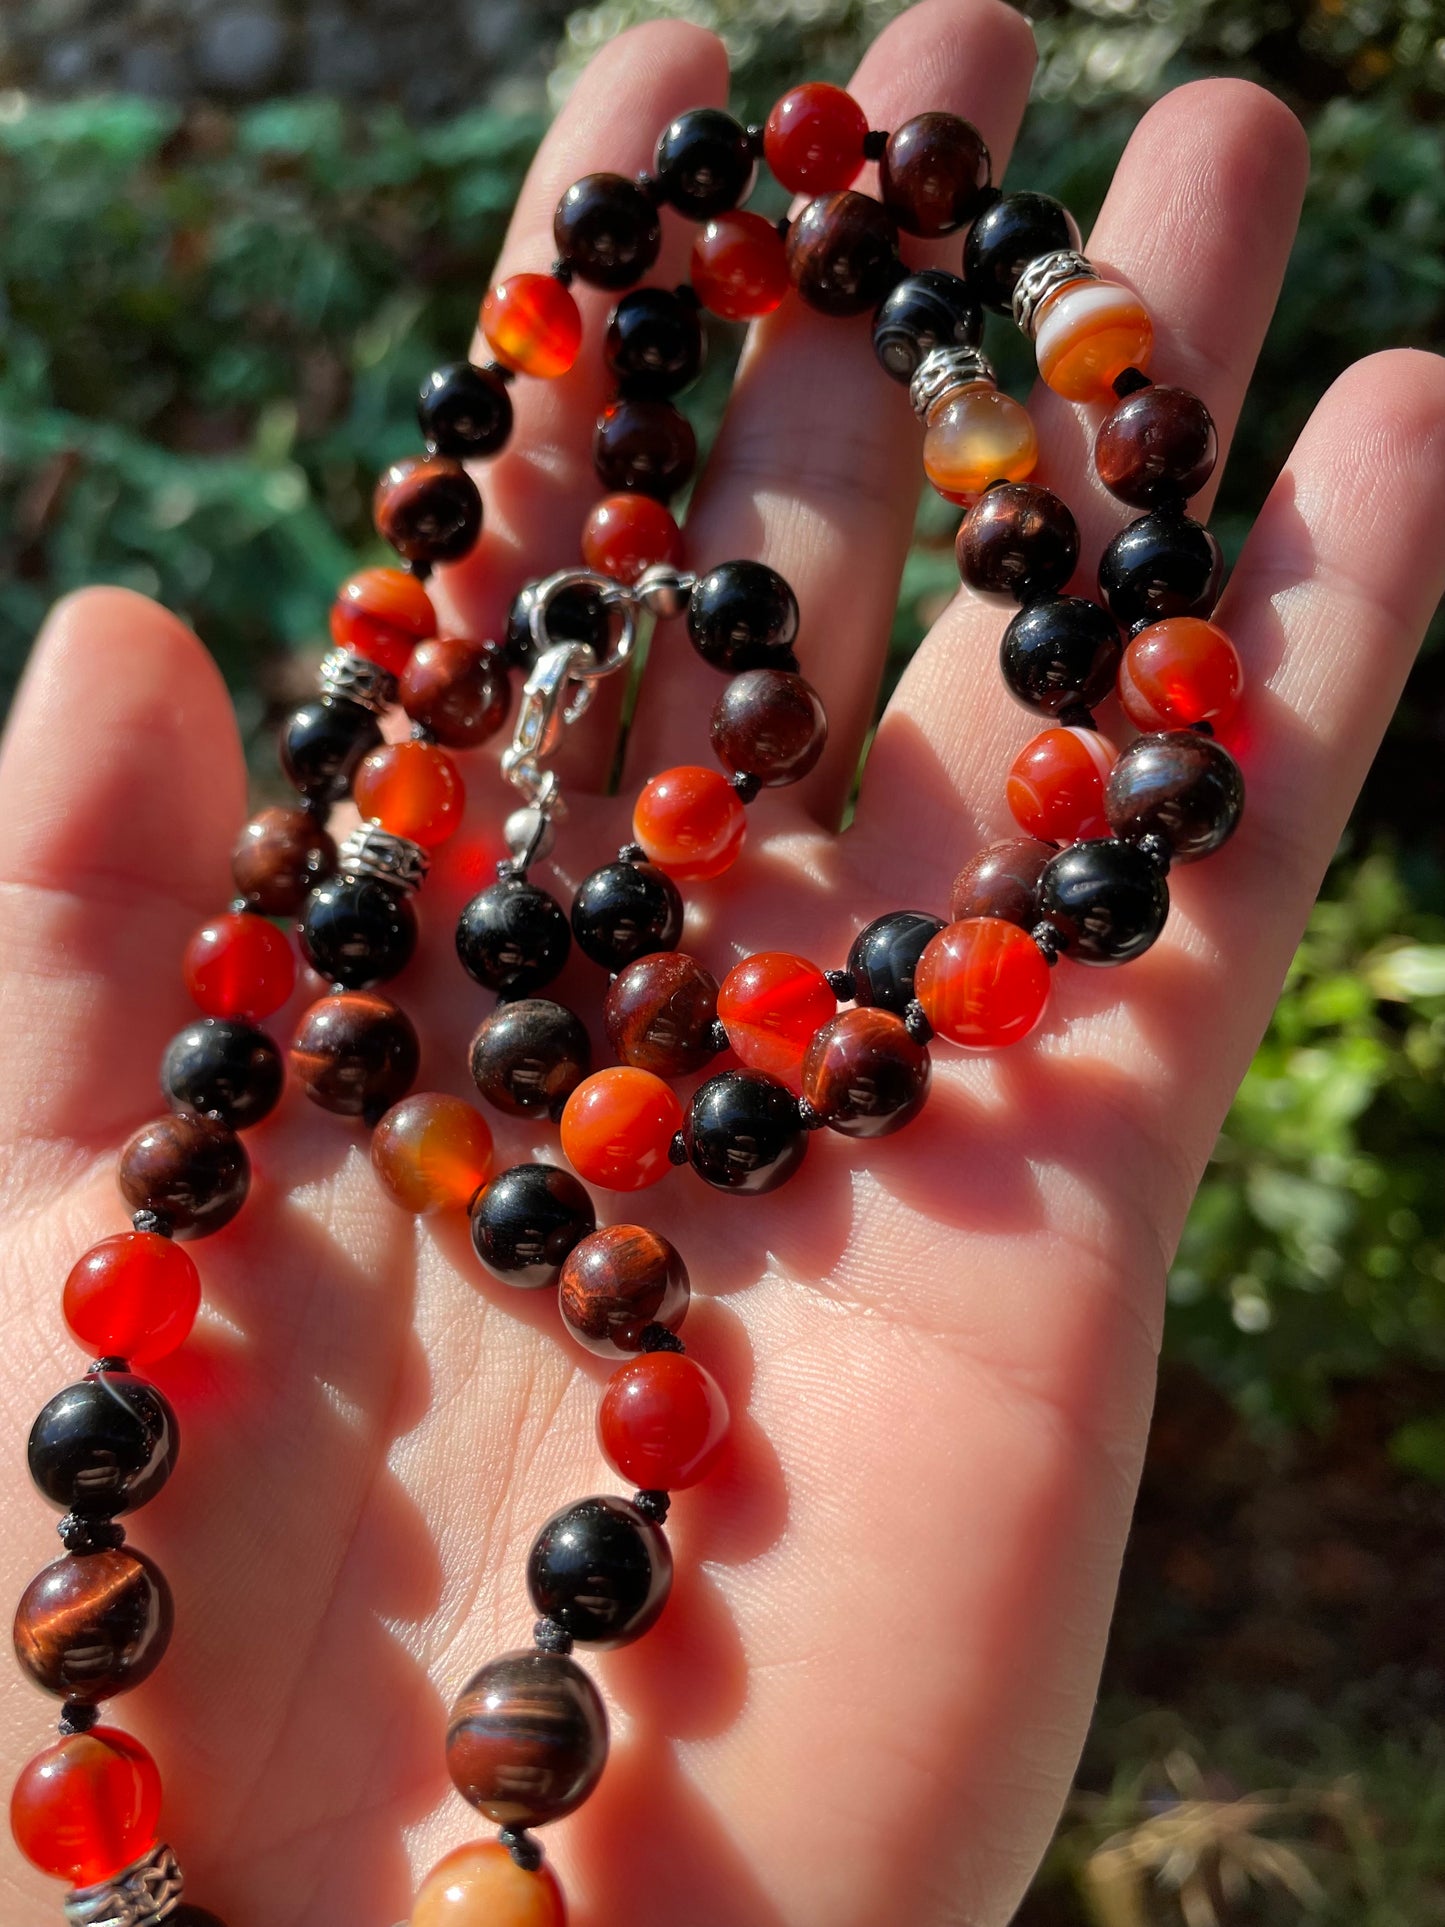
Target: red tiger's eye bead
740, 266
1180, 672
382, 614
458, 690
412, 789
662, 1421
771, 1005
480, 1885
690, 822
532, 324
626, 534
87, 1806
982, 982
428, 508
618, 1126
238, 965
133, 1296
1056, 784
432, 1153
813, 140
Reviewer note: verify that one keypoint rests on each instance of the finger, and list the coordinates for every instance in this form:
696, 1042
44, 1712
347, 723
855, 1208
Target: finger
122, 788
816, 469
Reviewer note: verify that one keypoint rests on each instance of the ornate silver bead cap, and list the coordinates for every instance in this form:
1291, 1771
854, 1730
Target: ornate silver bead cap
941, 371
148, 1892
1043, 277
371, 851
343, 673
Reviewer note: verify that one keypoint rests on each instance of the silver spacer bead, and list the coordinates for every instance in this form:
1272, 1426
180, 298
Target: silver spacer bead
148, 1892
371, 851
1045, 276
941, 371
344, 673
529, 834
664, 590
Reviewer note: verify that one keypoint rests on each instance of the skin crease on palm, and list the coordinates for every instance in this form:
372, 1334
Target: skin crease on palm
866, 1699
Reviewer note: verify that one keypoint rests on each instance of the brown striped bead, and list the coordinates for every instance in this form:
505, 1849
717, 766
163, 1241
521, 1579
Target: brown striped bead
193, 1170
660, 1012
527, 1738
94, 1624
355, 1053
280, 856
428, 508
616, 1283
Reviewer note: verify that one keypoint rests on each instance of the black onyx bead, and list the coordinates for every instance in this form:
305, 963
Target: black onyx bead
704, 163
357, 931
644, 444
928, 309
843, 253
526, 1221
103, 1446
654, 342
323, 742
743, 1132
885, 955
512, 937
1106, 900
935, 174
607, 231
1018, 540
626, 910
1159, 446
1017, 229
464, 410
529, 1056
1060, 653
743, 615
1165, 564
227, 1068
573, 615
600, 1569
1178, 785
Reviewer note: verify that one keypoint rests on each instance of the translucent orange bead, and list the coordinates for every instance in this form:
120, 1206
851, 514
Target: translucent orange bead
626, 534
432, 1153
133, 1296
1086, 334
411, 789
382, 614
690, 822
982, 983
618, 1127
239, 965
532, 324
1056, 784
1180, 672
977, 435
87, 1806
740, 266
480, 1885
771, 1006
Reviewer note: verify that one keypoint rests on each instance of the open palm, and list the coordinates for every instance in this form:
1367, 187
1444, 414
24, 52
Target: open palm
865, 1700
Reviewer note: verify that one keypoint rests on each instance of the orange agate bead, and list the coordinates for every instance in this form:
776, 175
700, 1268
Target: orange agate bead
1086, 334
480, 1885
690, 822
740, 266
432, 1153
382, 614
1180, 672
239, 965
1056, 785
618, 1127
626, 534
982, 982
532, 324
772, 1005
87, 1806
412, 790
976, 435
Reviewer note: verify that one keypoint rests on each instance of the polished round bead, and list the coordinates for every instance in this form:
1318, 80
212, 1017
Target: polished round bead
480, 1885
864, 1075
690, 822
132, 1296
103, 1446
432, 1153
743, 615
1060, 654
573, 615
704, 163
459, 692
653, 343
532, 324
935, 174
601, 1570
1086, 334
743, 1132
771, 724
87, 1807
1017, 229
607, 231
239, 965
1158, 447
382, 614
1055, 784
644, 444
616, 1283
813, 139
843, 253
1180, 672
1165, 564
1180, 786
527, 1220
428, 508
193, 1170
624, 911
928, 309
627, 533
1017, 541
1107, 900
513, 937
1001, 881
94, 1624
527, 1739
529, 1056
411, 789
357, 931
618, 1127
976, 435
884, 956
982, 983
739, 266
355, 1053
231, 1070
662, 1421
280, 856
465, 411
770, 1005
323, 742
660, 1012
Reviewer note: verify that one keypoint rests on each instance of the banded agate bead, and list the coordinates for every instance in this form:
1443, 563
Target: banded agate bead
1056, 784
618, 1126
1087, 333
690, 822
1179, 672
982, 983
432, 1153
87, 1806
382, 614
532, 325
976, 435
770, 1005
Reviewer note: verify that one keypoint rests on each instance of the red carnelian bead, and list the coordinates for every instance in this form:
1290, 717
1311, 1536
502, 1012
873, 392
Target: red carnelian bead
626, 534
662, 1421
382, 614
690, 822
740, 266
87, 1807
411, 789
239, 965
532, 324
1180, 672
1056, 784
771, 1007
618, 1127
432, 1153
133, 1296
813, 140
982, 982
